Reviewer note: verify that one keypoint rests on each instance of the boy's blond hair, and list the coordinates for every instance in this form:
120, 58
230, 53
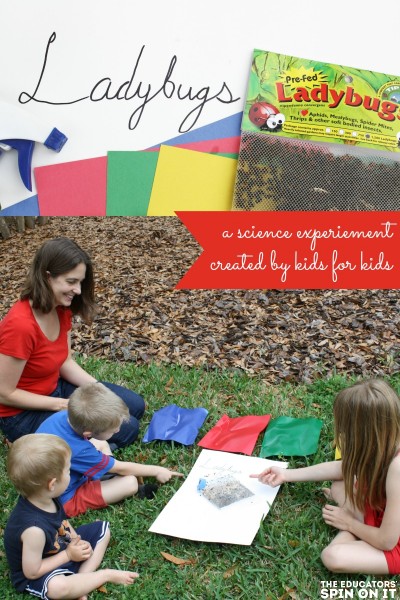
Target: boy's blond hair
95, 408
34, 459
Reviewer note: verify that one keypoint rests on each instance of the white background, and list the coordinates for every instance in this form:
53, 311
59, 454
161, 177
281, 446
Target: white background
213, 41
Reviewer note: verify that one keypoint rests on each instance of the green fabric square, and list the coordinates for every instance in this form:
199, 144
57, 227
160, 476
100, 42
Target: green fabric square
291, 437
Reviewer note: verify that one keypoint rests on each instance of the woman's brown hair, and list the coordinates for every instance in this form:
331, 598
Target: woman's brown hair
56, 257
367, 431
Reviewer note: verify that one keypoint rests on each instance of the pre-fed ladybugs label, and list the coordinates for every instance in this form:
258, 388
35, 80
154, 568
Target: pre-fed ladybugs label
304, 99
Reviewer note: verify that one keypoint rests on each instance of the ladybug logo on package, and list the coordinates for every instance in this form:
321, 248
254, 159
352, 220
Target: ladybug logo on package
266, 116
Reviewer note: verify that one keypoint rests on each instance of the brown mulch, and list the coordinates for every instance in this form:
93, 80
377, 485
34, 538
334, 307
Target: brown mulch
283, 335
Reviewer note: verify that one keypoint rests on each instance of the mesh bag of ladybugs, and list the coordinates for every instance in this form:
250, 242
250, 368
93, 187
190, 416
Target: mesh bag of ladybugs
318, 136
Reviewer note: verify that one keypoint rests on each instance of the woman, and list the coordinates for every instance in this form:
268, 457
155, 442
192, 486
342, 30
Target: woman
37, 370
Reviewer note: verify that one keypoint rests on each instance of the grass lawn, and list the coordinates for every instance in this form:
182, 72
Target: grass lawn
283, 561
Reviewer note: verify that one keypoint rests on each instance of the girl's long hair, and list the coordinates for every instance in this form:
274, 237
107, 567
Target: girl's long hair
57, 257
367, 431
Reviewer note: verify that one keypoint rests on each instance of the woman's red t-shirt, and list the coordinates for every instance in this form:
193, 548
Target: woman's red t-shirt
21, 337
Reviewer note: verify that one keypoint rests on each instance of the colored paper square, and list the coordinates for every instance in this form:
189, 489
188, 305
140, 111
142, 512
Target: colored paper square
224, 128
25, 208
222, 146
189, 180
76, 188
129, 181
230, 145
235, 435
287, 436
227, 127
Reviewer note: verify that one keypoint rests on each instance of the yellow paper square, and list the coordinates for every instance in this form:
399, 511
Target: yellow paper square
190, 180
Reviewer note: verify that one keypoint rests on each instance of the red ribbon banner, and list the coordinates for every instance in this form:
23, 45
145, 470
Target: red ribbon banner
295, 250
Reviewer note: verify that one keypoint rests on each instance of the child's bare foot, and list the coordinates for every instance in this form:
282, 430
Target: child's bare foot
327, 493
122, 577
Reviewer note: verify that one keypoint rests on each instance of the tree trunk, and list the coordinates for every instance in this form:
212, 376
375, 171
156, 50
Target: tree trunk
4, 231
20, 221
42, 220
30, 222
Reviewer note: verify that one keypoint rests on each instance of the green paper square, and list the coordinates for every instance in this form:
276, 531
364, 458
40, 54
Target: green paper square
130, 178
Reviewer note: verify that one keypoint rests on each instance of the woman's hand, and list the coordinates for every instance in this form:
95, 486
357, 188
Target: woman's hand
62, 403
101, 445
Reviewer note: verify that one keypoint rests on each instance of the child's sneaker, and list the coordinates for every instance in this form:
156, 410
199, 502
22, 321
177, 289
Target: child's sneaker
147, 490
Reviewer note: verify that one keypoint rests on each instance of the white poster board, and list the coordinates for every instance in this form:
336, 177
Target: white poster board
193, 515
128, 75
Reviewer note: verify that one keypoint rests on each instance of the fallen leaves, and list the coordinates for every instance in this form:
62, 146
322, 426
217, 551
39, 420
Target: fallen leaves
178, 561
102, 589
229, 572
289, 593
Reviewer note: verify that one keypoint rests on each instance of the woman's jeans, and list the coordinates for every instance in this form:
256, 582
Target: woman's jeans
29, 420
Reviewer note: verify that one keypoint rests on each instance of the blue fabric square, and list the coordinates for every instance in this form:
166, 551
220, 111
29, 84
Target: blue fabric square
174, 423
